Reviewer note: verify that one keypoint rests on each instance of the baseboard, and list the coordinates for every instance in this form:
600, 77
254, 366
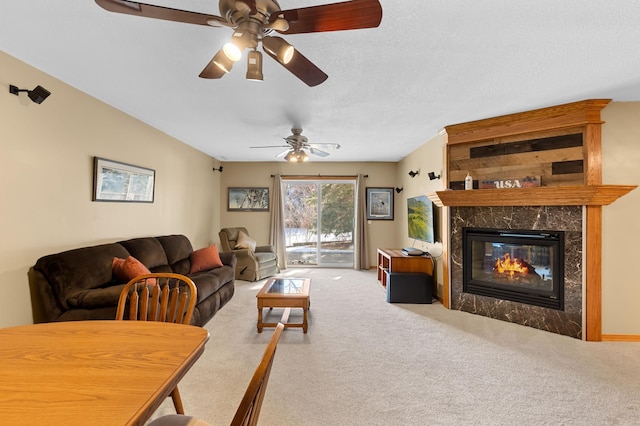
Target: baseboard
620, 338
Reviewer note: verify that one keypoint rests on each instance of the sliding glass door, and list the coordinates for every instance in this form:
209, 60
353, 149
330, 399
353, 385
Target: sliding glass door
319, 222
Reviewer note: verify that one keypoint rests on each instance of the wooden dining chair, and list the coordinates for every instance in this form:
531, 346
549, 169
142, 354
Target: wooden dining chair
161, 297
249, 409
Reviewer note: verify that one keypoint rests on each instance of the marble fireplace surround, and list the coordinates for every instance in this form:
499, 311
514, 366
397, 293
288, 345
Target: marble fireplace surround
552, 218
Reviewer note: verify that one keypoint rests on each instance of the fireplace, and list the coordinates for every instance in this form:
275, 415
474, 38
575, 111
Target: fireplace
518, 265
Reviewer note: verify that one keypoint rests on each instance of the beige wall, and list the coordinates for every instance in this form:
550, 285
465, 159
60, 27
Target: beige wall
382, 233
621, 226
428, 158
47, 173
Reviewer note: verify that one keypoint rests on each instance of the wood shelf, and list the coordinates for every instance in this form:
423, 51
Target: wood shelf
393, 260
583, 195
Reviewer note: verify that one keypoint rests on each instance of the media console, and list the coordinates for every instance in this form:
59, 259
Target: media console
393, 260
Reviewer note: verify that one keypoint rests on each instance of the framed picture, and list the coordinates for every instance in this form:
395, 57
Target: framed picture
379, 203
122, 182
248, 200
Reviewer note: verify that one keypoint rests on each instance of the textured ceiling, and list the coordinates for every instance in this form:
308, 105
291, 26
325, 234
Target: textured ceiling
431, 63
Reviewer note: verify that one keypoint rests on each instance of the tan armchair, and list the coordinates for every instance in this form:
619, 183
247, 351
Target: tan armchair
252, 265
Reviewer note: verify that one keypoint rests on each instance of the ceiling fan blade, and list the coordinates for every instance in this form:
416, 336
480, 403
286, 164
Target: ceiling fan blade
325, 145
318, 152
159, 12
212, 70
302, 68
348, 15
271, 146
283, 153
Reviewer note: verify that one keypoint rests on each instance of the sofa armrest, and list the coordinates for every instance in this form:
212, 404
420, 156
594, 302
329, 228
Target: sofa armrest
266, 249
243, 253
44, 303
228, 258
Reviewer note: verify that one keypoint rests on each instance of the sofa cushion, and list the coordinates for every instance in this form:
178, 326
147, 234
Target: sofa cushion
96, 298
205, 259
208, 282
245, 242
177, 249
124, 270
148, 250
105, 313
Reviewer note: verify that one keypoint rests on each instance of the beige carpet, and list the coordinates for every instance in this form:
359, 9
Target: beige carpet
367, 362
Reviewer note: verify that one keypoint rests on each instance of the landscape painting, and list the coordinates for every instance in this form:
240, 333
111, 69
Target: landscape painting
248, 199
420, 219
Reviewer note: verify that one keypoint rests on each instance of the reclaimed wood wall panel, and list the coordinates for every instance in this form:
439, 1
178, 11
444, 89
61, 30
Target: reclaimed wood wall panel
529, 158
565, 180
500, 172
530, 145
552, 158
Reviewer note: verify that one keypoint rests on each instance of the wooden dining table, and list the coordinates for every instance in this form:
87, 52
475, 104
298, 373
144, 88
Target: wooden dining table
92, 372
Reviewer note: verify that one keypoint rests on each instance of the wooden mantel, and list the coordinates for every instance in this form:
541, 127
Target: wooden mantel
556, 117
589, 195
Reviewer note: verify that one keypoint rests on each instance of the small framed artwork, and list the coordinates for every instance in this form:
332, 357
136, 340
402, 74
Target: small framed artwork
122, 182
379, 203
248, 200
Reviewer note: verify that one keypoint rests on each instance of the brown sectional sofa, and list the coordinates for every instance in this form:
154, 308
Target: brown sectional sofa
79, 284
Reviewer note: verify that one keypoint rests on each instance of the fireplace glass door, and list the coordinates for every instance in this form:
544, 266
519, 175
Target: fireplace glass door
518, 265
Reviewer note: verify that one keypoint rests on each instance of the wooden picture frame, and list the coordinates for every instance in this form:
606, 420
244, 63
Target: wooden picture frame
248, 199
114, 181
380, 204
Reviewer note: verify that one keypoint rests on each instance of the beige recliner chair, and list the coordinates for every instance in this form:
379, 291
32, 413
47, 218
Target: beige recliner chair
254, 262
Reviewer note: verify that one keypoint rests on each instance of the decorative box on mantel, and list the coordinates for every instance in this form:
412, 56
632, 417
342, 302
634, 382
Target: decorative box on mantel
562, 145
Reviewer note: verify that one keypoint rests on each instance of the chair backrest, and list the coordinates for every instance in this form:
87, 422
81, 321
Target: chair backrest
249, 408
229, 237
161, 297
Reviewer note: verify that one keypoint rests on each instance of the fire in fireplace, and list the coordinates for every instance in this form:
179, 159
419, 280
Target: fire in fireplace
518, 265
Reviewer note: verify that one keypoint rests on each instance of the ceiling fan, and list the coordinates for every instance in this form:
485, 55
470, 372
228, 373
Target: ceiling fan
297, 145
254, 22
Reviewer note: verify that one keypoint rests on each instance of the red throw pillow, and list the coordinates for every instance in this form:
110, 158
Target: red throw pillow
127, 269
205, 259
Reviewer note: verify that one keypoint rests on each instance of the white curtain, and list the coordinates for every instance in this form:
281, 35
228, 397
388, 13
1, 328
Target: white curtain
361, 239
277, 238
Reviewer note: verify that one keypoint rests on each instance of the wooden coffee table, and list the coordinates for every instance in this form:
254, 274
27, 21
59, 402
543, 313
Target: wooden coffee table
284, 293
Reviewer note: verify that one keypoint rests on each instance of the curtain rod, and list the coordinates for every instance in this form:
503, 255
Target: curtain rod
320, 176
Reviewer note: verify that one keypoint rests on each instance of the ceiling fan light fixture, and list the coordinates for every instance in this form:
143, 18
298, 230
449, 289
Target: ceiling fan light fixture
286, 53
254, 66
280, 48
232, 52
222, 62
296, 156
